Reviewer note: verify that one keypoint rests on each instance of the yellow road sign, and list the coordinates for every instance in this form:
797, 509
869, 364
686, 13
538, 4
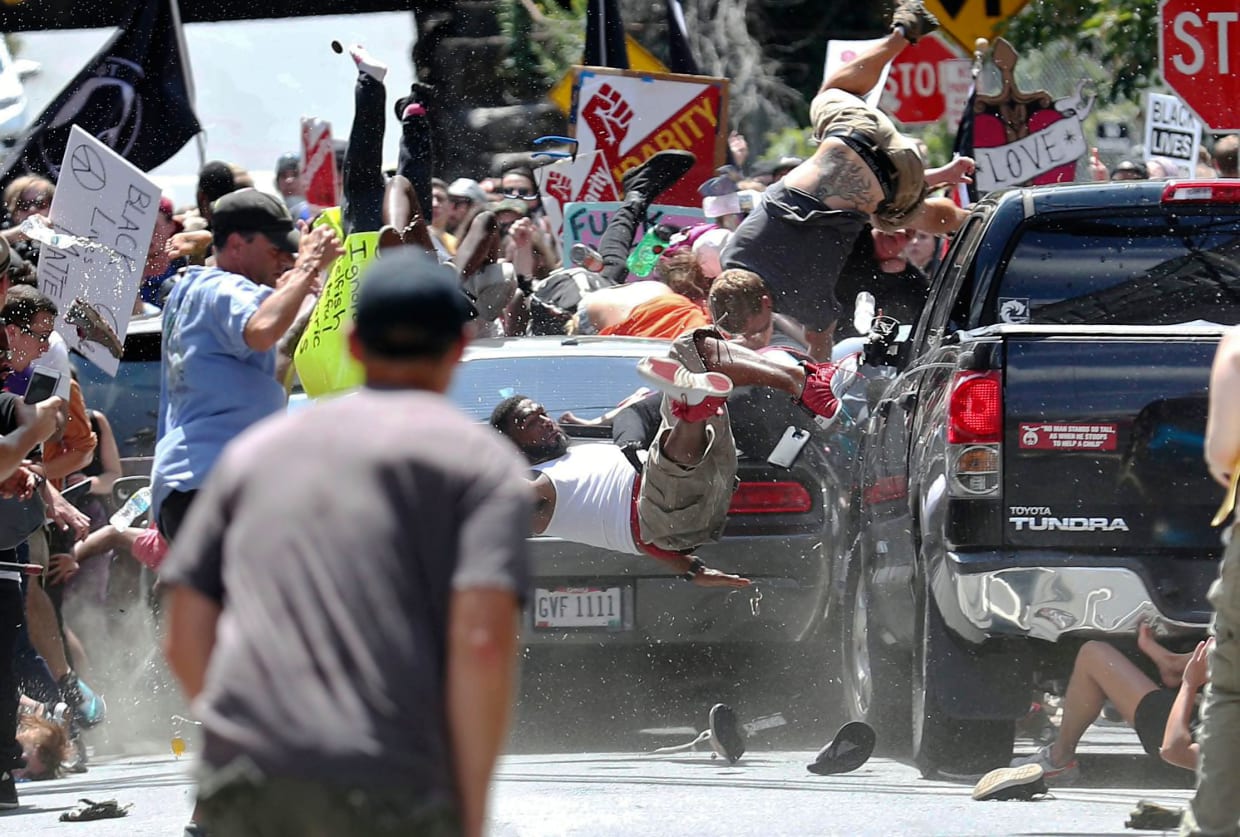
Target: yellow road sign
640, 59
967, 20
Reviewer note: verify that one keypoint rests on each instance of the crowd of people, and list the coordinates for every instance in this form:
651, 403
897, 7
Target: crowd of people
756, 295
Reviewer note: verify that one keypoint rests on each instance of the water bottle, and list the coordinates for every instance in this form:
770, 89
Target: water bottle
863, 313
644, 256
583, 255
134, 507
36, 231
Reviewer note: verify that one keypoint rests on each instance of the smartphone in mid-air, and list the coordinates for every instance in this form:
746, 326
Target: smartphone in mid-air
44, 382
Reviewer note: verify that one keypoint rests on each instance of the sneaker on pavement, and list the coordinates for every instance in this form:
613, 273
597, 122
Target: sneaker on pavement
817, 395
658, 173
1024, 782
1053, 773
726, 736
912, 17
679, 384
8, 791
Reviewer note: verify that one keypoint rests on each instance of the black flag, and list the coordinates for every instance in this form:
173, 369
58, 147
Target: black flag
133, 96
679, 55
605, 46
965, 194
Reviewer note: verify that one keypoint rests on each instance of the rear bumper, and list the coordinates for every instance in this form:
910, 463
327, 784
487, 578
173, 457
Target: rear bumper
783, 605
1048, 602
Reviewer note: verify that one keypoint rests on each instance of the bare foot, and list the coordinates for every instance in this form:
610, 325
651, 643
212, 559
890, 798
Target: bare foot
1170, 665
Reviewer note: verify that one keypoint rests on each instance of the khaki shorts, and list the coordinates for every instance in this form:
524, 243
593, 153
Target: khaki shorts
682, 507
837, 110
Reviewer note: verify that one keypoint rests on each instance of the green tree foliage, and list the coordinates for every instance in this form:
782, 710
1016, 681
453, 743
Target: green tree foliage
1120, 35
544, 40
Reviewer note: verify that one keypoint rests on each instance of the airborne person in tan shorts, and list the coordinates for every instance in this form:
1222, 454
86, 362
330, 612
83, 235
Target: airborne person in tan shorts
863, 171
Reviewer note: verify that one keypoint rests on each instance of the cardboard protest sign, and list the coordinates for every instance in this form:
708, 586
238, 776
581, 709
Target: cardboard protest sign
318, 163
568, 181
322, 357
840, 53
1026, 138
585, 222
1172, 132
104, 198
628, 116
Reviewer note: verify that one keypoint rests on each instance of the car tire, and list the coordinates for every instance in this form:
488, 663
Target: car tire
875, 675
944, 745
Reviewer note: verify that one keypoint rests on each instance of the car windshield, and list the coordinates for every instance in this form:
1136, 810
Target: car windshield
1125, 270
588, 385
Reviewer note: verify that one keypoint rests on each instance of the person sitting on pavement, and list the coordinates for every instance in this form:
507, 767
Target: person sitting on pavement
1162, 715
679, 499
863, 169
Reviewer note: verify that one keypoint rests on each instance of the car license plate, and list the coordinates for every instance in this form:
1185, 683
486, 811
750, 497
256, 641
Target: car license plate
578, 607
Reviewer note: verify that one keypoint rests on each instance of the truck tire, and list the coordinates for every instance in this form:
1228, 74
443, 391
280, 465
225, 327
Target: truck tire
875, 675
944, 744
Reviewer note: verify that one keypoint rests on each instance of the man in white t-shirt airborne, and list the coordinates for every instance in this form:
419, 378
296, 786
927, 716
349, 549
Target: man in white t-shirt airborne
678, 500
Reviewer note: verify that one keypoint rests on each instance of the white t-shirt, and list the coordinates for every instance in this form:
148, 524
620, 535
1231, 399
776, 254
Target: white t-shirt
593, 497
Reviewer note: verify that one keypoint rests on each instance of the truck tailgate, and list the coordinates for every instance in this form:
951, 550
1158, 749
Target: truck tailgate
1103, 444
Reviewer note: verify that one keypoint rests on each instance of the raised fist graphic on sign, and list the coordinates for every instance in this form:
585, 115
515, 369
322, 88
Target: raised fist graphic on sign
559, 187
608, 117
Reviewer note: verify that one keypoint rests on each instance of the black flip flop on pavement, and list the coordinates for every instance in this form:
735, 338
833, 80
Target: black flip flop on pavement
852, 747
88, 810
726, 736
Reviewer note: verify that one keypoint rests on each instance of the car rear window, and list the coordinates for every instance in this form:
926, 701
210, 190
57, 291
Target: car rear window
588, 385
1124, 270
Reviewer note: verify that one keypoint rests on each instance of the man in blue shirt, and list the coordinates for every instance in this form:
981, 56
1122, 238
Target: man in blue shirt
221, 328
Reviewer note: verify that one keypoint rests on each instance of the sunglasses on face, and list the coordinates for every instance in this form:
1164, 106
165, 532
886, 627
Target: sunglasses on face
30, 204
520, 194
41, 336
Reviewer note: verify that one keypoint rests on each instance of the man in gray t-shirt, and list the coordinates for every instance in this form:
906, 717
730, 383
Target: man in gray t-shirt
353, 574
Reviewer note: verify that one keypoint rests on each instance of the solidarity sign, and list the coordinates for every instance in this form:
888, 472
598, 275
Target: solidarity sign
620, 118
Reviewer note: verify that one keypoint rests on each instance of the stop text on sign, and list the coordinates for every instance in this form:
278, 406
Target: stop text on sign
1194, 33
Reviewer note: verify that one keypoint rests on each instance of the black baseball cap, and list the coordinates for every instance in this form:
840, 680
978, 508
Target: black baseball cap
410, 305
249, 210
290, 161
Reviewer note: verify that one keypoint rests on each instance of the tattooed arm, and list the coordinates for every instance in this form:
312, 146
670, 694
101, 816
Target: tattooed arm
836, 176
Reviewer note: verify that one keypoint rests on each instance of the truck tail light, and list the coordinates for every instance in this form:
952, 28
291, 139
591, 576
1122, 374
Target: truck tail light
1201, 191
770, 498
975, 411
975, 434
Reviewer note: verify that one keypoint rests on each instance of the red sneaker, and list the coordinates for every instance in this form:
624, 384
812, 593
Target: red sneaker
705, 409
817, 396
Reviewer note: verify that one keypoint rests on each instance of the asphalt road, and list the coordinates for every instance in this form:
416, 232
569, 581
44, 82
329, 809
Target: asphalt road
767, 793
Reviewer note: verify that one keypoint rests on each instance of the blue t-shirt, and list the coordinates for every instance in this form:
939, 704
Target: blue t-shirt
212, 385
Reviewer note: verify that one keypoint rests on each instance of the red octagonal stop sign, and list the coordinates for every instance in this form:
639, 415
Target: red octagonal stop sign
1199, 54
926, 82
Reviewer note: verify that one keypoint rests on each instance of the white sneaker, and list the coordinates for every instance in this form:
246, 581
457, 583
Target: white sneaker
367, 63
1024, 782
678, 383
1054, 774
